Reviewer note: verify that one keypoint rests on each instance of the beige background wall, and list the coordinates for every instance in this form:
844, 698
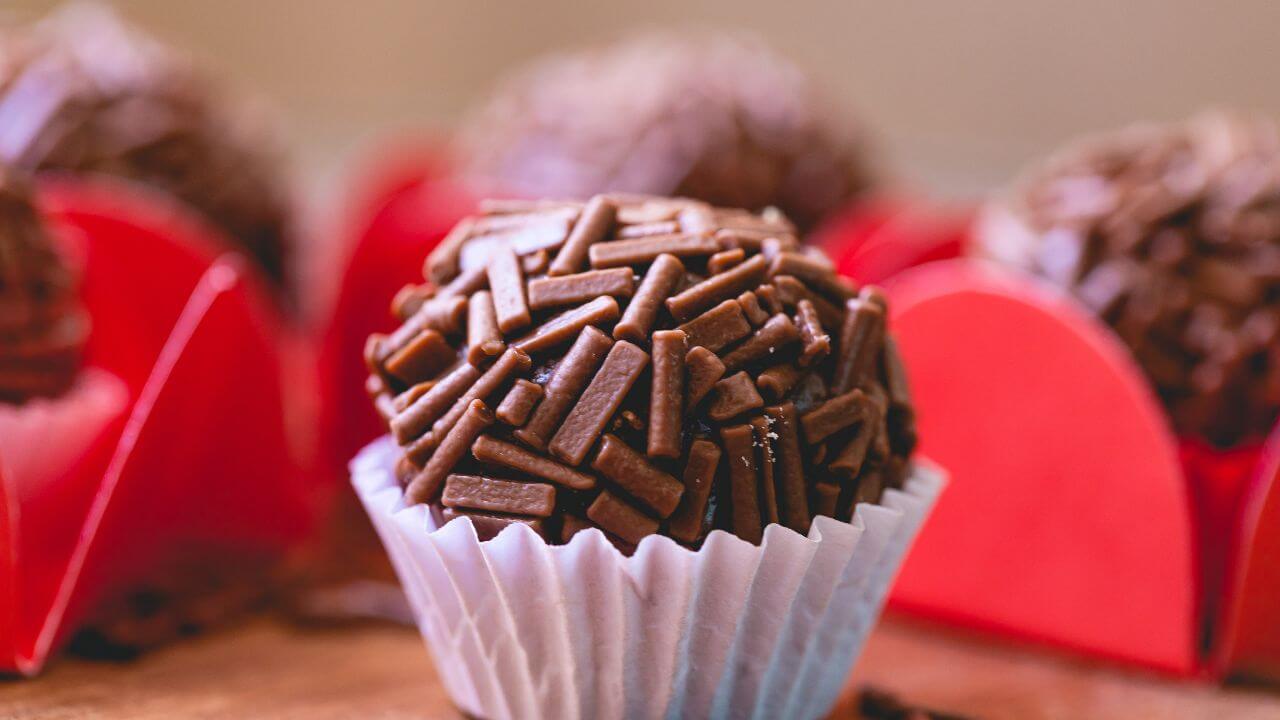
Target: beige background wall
962, 93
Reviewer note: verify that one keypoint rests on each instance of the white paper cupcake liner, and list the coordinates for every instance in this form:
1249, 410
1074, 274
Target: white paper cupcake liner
522, 629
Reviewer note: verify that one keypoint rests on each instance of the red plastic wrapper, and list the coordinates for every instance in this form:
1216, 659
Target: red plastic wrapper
409, 204
879, 237
1076, 518
187, 438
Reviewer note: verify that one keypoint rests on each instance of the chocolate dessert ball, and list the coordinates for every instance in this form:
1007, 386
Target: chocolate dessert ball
42, 326
643, 365
714, 117
1171, 234
81, 92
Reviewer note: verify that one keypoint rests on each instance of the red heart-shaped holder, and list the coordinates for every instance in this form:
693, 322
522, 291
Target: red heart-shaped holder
1067, 520
202, 455
407, 206
1248, 622
879, 237
52, 454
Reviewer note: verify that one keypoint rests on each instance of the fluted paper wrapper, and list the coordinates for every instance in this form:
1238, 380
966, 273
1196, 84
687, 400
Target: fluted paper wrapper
522, 629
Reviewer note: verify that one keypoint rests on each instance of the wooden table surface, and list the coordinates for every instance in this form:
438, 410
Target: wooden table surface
267, 669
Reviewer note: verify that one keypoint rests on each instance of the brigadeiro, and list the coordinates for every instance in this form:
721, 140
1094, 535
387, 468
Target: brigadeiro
713, 116
579, 374
1171, 234
43, 327
82, 92
617, 353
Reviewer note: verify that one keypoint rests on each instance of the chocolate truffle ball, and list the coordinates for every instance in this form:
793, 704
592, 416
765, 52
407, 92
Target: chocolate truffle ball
82, 92
715, 117
642, 365
1171, 234
42, 326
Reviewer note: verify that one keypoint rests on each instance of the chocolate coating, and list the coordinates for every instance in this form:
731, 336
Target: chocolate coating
1171, 234
660, 406
715, 117
42, 325
82, 92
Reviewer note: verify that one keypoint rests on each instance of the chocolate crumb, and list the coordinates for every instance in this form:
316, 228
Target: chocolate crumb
877, 704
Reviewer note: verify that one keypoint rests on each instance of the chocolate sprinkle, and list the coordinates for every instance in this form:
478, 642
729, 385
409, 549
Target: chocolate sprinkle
666, 400
682, 404
704, 371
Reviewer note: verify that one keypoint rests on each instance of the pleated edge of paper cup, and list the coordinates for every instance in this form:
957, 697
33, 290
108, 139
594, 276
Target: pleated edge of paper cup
374, 480
906, 509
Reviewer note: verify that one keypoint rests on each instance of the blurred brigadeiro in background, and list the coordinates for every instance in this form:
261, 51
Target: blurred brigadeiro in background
715, 117
1171, 234
42, 324
81, 91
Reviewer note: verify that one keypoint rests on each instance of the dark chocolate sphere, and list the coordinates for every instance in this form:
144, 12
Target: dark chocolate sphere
82, 92
714, 117
1171, 234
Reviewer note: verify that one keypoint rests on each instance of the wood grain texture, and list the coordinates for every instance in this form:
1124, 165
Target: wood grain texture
264, 670
965, 674
271, 670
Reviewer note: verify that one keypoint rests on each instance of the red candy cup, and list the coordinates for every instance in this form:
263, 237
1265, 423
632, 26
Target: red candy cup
1248, 641
202, 454
1075, 517
411, 205
877, 238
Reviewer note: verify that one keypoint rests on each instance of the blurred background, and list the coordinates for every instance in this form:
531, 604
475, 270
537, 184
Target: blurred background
955, 99
960, 94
